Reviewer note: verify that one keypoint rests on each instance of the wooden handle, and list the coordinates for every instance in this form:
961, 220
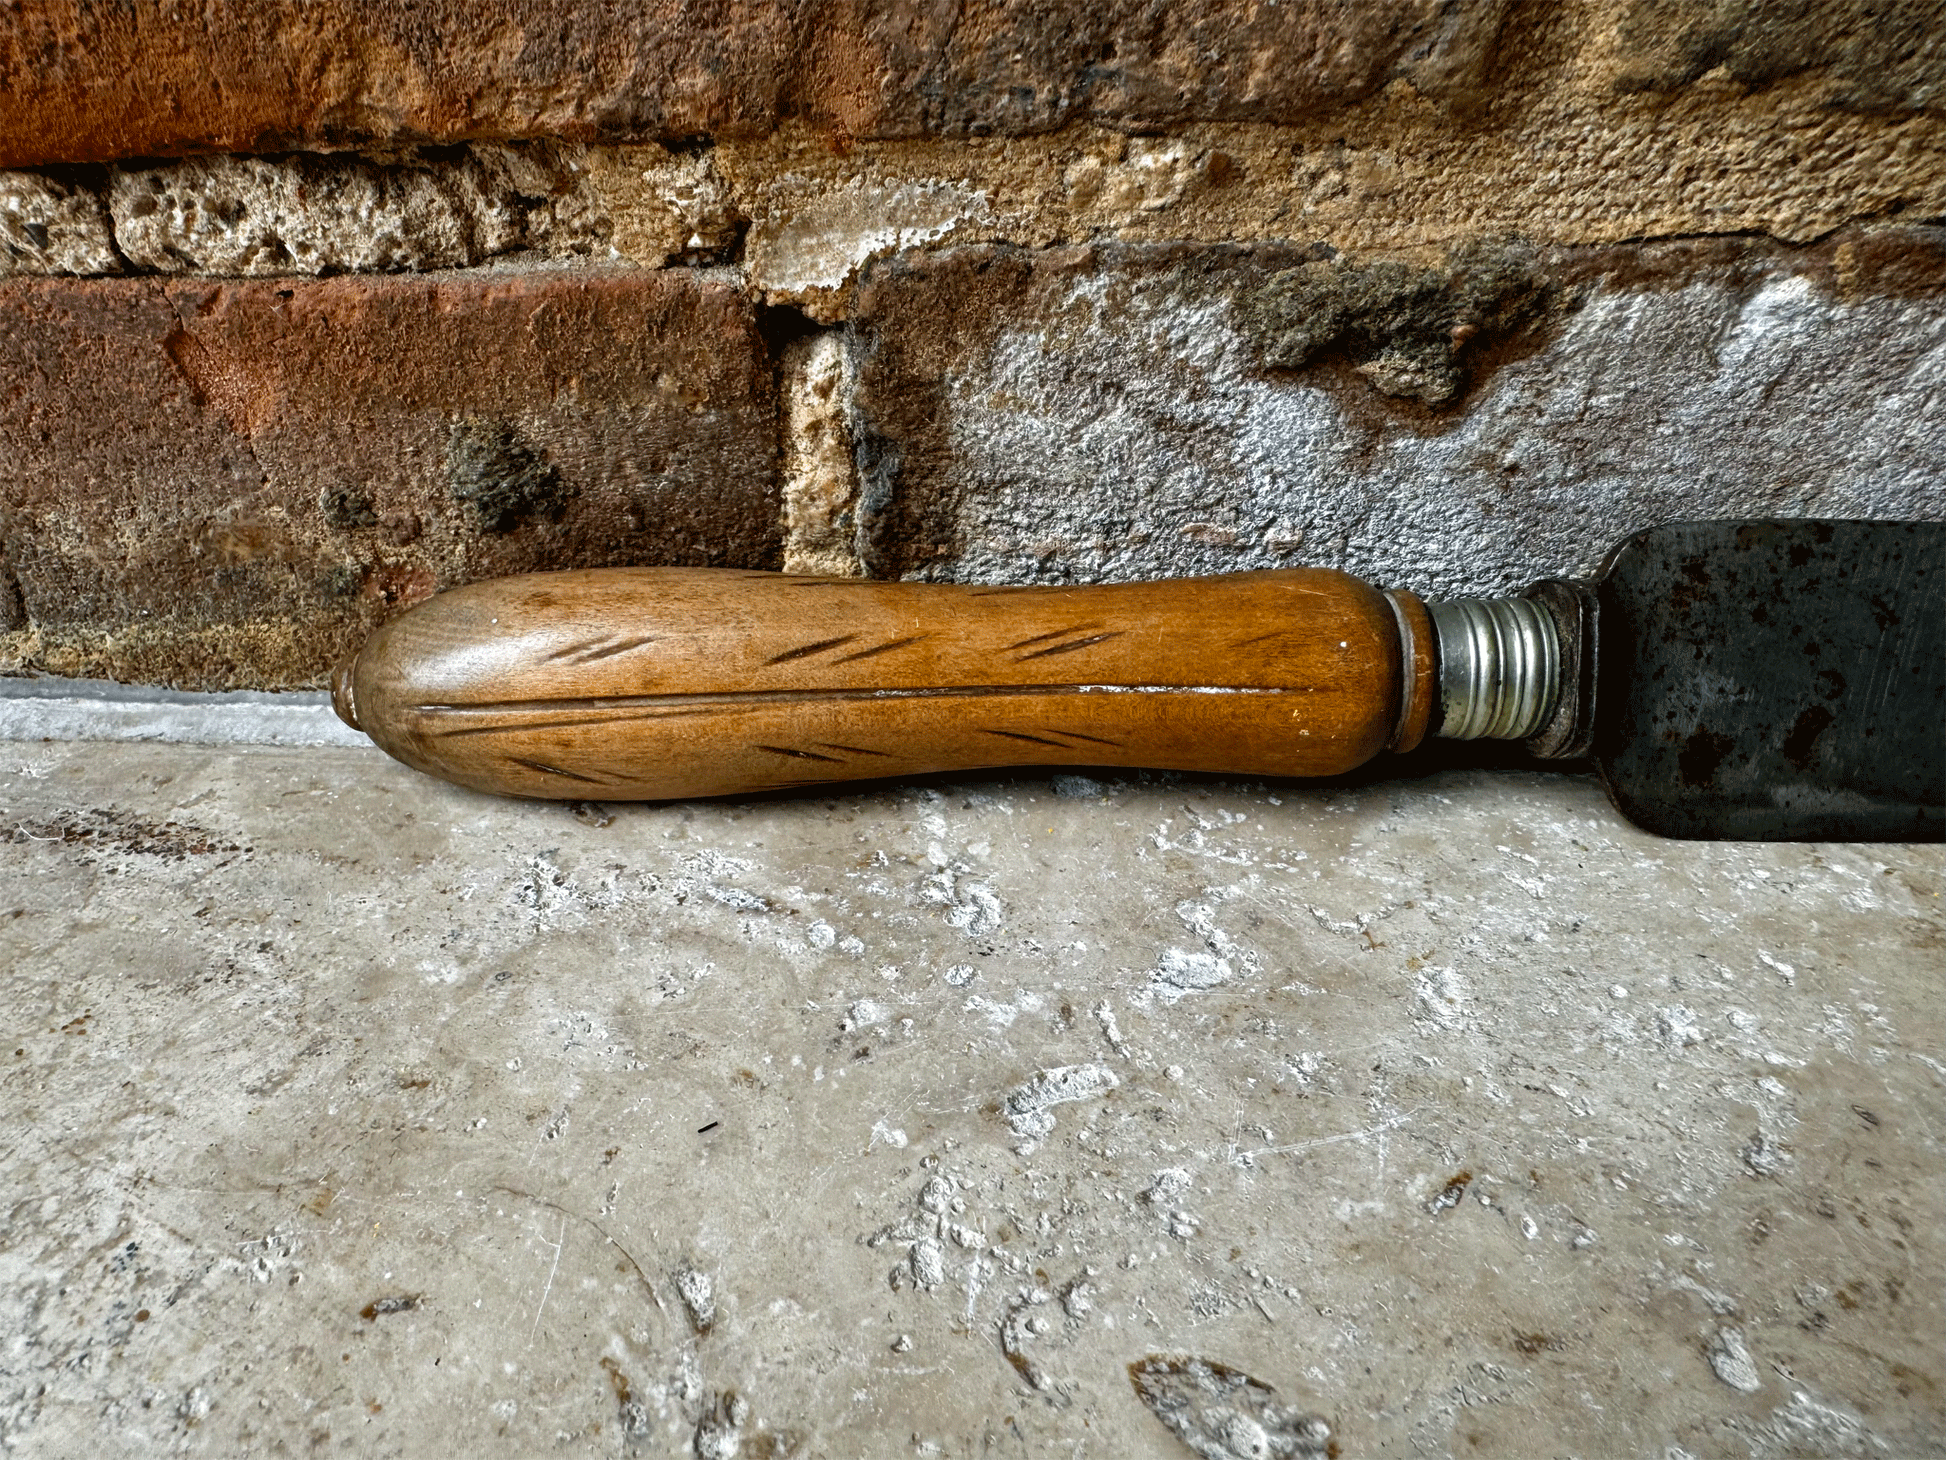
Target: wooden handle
653, 683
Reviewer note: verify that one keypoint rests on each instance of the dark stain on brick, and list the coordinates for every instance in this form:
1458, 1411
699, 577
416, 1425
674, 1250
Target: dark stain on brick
504, 479
13, 605
1410, 331
1906, 261
345, 506
1876, 55
1885, 259
346, 580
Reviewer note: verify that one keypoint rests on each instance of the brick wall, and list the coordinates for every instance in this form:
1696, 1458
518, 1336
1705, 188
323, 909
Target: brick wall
306, 312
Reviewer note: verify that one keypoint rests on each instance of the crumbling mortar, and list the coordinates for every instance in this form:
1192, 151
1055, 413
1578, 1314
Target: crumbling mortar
240, 215
823, 509
805, 216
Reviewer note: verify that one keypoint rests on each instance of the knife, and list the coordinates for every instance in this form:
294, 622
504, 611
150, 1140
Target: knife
1766, 680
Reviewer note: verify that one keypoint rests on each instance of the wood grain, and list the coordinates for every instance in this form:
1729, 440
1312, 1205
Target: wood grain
658, 683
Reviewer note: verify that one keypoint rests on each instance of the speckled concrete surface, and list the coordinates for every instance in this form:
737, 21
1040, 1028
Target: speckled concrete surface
350, 1113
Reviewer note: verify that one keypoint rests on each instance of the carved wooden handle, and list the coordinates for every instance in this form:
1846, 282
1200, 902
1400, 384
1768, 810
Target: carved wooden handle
652, 683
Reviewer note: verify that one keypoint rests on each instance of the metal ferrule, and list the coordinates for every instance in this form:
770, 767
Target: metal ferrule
1499, 667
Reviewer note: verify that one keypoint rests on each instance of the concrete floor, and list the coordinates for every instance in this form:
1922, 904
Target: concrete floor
351, 1113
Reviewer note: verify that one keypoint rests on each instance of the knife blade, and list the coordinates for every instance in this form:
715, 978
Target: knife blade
1775, 680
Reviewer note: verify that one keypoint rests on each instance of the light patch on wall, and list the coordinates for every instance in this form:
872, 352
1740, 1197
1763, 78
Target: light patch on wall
808, 251
1098, 442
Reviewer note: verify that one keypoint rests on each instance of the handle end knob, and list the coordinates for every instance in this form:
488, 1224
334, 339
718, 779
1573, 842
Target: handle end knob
342, 698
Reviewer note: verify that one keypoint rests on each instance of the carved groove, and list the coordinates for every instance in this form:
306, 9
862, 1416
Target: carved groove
1051, 634
1070, 648
807, 650
801, 754
1030, 739
880, 649
613, 649
554, 770
671, 713
595, 649
628, 707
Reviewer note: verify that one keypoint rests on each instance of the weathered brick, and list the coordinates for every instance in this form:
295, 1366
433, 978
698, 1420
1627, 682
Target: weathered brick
1020, 66
1877, 55
213, 484
83, 82
1456, 427
86, 82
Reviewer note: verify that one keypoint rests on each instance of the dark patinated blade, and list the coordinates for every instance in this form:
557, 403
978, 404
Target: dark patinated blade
1776, 681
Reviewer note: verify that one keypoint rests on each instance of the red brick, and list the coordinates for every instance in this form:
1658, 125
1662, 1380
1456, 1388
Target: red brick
87, 82
214, 484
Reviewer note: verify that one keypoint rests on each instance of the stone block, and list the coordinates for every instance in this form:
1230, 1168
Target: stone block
1456, 426
79, 82
219, 484
1025, 66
